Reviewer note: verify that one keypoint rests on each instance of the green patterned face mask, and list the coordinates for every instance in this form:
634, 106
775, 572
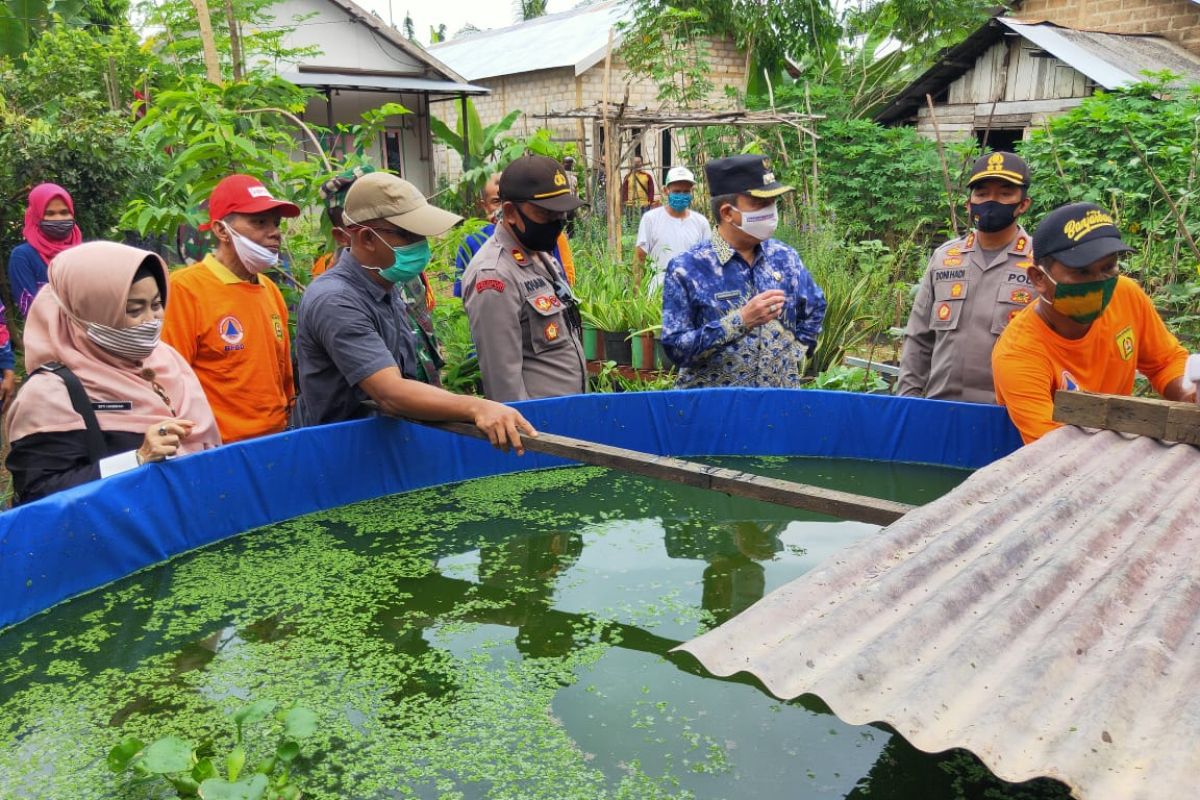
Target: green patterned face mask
1082, 302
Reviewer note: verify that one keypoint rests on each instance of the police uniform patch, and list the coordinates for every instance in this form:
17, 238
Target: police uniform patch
956, 290
1125, 343
552, 331
518, 256
970, 242
951, 261
1021, 296
490, 283
943, 311
1020, 245
542, 303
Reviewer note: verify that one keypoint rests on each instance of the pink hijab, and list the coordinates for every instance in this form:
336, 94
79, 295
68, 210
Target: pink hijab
39, 198
92, 282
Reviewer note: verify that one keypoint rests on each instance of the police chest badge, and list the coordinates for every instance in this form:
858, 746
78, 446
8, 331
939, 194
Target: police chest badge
1021, 296
943, 312
1125, 343
552, 331
543, 303
519, 257
951, 261
956, 290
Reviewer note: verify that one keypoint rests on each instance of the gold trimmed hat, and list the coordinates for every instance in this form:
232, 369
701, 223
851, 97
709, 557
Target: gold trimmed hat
1000, 166
539, 180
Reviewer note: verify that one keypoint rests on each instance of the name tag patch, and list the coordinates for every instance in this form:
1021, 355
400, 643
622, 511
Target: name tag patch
113, 405
725, 295
949, 274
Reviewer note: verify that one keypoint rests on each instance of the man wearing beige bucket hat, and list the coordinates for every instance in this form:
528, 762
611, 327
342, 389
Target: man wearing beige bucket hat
354, 338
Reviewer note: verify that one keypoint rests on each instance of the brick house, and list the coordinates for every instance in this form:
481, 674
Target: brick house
556, 63
1008, 76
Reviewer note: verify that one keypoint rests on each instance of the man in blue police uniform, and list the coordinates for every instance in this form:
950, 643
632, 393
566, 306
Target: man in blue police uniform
972, 287
741, 309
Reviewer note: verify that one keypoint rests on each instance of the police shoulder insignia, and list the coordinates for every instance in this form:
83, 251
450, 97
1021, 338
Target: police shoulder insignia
1126, 343
552, 331
490, 283
1020, 245
518, 256
943, 311
542, 303
970, 242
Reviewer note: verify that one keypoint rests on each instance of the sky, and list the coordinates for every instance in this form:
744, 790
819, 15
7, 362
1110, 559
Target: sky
454, 13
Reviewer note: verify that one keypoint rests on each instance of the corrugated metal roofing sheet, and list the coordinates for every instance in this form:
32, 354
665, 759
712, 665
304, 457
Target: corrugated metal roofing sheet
1044, 615
576, 38
380, 83
1111, 60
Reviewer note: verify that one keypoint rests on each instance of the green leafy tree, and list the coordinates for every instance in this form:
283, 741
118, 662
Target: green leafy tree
671, 50
22, 21
530, 9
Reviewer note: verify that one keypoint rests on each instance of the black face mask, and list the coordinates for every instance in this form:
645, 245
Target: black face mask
57, 229
538, 236
993, 215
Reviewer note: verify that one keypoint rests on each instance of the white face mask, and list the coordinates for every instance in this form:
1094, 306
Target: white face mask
760, 224
254, 257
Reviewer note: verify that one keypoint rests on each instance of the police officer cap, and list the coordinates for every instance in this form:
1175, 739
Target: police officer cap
1078, 235
1000, 166
538, 180
747, 174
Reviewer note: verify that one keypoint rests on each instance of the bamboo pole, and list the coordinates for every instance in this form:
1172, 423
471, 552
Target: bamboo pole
611, 173
212, 64
937, 132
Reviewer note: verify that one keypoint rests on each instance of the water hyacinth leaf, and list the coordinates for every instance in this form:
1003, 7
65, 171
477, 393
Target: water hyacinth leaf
204, 769
289, 792
169, 754
300, 723
288, 751
234, 762
120, 756
252, 788
185, 785
266, 765
255, 712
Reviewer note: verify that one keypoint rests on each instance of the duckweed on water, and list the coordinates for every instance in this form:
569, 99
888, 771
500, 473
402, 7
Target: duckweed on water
503, 638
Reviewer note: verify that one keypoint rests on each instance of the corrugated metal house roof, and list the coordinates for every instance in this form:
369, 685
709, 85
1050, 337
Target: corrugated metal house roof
1111, 60
576, 38
1044, 615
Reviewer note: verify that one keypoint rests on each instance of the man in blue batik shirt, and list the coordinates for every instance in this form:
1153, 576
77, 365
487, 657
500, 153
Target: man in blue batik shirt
741, 309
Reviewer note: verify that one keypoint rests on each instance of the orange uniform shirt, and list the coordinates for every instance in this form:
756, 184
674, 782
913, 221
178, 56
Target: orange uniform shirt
1030, 362
235, 336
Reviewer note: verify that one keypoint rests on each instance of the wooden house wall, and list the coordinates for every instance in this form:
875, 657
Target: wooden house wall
1014, 84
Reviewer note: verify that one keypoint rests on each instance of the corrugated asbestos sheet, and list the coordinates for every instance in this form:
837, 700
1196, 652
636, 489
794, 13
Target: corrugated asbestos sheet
1044, 615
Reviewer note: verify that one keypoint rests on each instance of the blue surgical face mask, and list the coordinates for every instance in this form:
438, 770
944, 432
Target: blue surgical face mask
679, 200
409, 260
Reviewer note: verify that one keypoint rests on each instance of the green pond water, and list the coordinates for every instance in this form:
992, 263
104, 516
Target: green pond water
503, 638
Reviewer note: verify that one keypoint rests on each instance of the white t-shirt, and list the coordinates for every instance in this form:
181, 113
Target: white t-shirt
663, 237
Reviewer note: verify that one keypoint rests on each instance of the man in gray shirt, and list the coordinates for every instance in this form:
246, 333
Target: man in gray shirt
972, 287
354, 340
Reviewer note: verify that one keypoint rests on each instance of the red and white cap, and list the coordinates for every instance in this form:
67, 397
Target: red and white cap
244, 194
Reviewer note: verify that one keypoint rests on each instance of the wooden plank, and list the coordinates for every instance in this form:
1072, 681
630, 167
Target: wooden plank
1159, 419
843, 505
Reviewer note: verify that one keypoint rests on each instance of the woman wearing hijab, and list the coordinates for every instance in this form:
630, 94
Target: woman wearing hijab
49, 229
124, 397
